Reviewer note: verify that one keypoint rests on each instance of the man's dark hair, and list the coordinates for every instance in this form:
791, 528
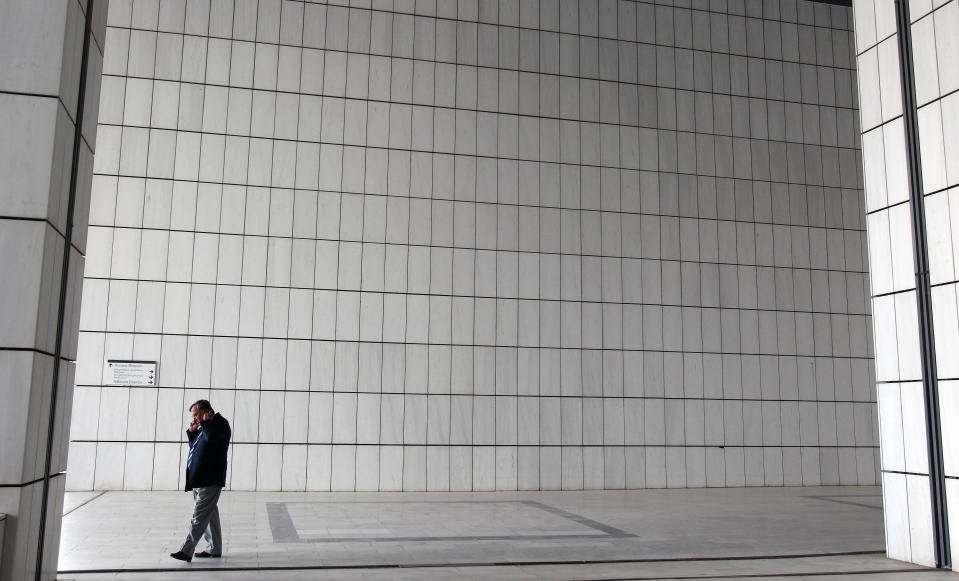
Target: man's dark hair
202, 405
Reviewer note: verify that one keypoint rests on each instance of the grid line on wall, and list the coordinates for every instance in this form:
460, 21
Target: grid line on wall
509, 205
510, 27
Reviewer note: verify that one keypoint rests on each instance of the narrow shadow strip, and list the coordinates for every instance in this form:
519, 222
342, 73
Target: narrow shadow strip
202, 569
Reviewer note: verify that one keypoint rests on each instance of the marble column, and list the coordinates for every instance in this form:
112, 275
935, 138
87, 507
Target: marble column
904, 412
45, 176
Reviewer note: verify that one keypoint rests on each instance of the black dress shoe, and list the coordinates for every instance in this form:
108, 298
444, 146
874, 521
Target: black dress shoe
205, 555
180, 555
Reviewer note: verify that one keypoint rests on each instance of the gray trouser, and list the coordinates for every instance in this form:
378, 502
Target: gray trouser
205, 522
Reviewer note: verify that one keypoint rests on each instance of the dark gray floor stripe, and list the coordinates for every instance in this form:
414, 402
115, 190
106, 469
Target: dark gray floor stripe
84, 503
284, 529
610, 531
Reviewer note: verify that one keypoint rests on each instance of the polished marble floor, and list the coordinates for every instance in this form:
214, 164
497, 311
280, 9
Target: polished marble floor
753, 533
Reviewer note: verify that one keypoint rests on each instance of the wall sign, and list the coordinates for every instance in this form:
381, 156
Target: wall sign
120, 372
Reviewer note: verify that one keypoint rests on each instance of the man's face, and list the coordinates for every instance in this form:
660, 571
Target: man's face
195, 414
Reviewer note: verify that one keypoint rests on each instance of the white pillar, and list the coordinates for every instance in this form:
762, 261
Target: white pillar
899, 370
41, 62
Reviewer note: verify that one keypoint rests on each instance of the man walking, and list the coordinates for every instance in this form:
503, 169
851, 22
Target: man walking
209, 436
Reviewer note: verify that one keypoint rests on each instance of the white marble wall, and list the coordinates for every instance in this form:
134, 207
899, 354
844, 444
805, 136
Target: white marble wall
429, 245
905, 461
41, 47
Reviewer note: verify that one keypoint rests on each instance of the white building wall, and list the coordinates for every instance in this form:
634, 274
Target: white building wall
479, 245
905, 463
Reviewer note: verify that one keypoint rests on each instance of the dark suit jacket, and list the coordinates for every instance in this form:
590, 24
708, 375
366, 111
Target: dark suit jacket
208, 466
